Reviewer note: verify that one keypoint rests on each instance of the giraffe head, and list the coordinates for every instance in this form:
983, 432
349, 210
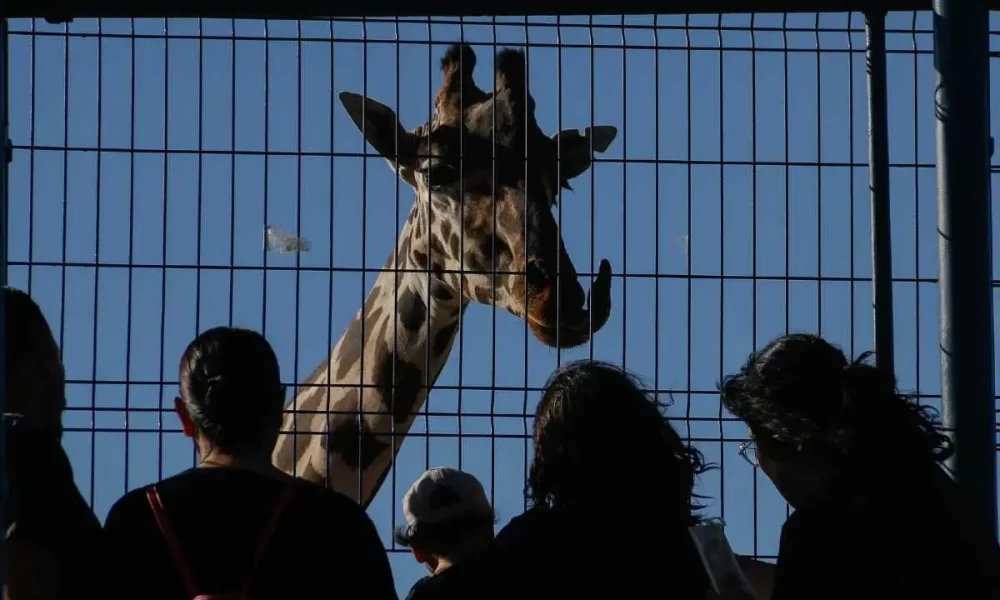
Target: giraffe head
486, 179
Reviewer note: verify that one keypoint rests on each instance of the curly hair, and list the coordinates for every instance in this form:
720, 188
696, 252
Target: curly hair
595, 429
802, 391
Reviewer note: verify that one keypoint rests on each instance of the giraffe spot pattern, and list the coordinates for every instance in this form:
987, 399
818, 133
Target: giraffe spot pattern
440, 291
353, 343
437, 248
420, 258
350, 350
412, 310
383, 331
399, 384
330, 442
356, 444
483, 294
443, 337
404, 250
372, 321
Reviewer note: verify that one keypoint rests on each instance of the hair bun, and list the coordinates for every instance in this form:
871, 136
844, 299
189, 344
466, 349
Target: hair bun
217, 389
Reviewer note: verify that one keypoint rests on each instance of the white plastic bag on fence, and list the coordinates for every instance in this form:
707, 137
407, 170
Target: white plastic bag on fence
277, 239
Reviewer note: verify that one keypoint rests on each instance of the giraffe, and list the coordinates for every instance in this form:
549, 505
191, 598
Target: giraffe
452, 250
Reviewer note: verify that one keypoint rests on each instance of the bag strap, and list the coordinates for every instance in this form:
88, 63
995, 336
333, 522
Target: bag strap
171, 538
269, 528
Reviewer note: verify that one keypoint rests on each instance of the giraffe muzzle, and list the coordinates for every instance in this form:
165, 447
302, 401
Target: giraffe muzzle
574, 327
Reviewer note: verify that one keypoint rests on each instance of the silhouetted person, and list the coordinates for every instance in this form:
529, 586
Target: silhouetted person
51, 532
611, 490
875, 514
448, 518
240, 523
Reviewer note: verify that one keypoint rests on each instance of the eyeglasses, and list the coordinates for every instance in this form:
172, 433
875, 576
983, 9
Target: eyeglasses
748, 450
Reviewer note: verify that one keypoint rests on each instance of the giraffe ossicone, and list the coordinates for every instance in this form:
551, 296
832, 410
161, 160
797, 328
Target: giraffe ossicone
481, 230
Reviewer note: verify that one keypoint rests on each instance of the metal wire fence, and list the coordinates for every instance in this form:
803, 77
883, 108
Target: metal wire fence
149, 155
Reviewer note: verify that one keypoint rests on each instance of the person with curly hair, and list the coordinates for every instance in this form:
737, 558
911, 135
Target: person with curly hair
611, 488
875, 516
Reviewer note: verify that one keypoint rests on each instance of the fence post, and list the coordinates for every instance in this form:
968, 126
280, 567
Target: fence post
878, 186
5, 158
965, 248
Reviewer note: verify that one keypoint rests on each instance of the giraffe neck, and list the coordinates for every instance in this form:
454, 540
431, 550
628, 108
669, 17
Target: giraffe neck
350, 417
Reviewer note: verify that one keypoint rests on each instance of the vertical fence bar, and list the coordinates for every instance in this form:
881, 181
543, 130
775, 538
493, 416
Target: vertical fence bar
5, 158
965, 248
878, 188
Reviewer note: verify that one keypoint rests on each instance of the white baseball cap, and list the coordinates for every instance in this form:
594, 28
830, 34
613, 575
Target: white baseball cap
443, 494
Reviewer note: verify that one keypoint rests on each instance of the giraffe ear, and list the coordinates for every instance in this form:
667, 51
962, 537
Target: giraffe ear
382, 129
575, 149
603, 136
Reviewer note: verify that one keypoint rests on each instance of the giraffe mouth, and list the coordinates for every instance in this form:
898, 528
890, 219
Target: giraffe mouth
576, 326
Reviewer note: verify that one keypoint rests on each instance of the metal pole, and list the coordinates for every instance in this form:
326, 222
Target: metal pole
878, 186
5, 158
965, 248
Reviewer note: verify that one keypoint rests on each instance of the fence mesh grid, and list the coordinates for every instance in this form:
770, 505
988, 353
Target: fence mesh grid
150, 155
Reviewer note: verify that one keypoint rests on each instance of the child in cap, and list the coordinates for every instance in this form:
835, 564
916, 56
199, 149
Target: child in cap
448, 518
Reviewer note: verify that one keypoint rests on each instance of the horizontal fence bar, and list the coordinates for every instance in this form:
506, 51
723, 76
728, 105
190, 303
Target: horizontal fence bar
59, 11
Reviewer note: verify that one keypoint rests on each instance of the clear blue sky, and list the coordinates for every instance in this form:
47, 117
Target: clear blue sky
681, 333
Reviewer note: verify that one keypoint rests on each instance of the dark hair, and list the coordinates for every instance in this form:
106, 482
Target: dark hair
231, 385
802, 392
444, 538
32, 364
600, 437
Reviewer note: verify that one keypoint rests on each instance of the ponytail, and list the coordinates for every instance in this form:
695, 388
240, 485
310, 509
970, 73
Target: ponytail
878, 419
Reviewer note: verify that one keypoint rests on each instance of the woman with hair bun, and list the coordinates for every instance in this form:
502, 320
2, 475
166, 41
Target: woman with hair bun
235, 526
875, 516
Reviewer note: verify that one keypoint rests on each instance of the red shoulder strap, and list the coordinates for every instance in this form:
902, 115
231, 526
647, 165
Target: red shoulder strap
171, 539
269, 528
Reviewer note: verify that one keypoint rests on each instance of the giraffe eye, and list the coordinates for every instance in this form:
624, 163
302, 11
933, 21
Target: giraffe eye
440, 176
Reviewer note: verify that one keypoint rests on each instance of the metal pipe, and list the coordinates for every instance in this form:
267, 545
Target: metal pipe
60, 11
5, 158
878, 186
965, 248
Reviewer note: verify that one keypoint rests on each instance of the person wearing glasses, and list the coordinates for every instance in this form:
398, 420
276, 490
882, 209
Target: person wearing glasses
875, 516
